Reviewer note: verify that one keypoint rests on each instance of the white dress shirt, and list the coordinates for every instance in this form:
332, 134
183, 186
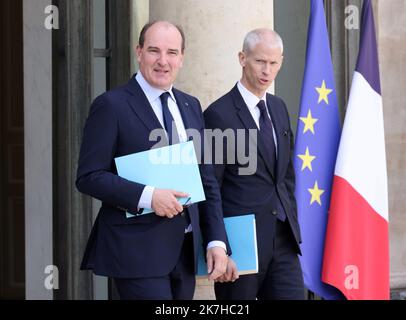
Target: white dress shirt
153, 96
251, 101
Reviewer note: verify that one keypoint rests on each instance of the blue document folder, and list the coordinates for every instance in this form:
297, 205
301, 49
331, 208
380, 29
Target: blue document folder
171, 167
242, 237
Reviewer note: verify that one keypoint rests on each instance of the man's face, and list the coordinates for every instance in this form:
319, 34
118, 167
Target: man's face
161, 56
260, 66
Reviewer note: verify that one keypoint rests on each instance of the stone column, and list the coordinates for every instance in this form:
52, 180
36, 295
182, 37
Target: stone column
390, 17
140, 16
38, 151
214, 33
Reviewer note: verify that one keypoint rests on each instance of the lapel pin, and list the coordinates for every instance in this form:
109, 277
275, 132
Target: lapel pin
186, 104
285, 133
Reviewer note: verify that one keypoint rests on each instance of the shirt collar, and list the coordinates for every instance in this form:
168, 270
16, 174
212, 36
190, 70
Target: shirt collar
250, 99
151, 92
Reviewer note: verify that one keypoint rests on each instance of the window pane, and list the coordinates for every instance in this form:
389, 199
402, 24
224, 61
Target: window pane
99, 24
99, 76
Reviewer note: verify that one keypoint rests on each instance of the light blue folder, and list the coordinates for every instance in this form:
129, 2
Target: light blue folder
171, 167
242, 237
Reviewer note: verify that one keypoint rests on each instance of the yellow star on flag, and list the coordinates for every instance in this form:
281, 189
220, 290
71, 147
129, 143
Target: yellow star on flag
323, 92
316, 193
307, 159
308, 122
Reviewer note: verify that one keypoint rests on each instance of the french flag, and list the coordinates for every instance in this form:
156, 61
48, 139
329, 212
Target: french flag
356, 253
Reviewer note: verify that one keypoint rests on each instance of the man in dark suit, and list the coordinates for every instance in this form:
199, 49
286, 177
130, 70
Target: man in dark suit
267, 191
151, 256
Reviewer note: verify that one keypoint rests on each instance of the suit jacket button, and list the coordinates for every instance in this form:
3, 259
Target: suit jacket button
274, 212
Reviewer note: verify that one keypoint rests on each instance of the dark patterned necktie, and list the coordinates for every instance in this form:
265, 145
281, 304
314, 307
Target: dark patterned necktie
169, 123
266, 134
173, 135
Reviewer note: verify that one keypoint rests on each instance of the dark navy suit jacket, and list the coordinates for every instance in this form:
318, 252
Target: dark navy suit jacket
256, 193
119, 123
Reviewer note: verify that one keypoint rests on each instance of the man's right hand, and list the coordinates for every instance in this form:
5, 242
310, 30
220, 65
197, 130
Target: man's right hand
165, 203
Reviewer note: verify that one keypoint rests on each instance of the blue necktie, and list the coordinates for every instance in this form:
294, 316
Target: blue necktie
169, 123
266, 135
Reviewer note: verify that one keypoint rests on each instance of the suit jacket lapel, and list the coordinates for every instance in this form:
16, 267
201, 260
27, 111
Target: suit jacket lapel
140, 105
183, 107
249, 123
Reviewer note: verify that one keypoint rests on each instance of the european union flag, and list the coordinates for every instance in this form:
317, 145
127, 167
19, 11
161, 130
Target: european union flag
317, 140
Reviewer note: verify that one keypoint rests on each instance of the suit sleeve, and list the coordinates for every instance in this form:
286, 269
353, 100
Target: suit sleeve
290, 179
96, 169
211, 212
213, 122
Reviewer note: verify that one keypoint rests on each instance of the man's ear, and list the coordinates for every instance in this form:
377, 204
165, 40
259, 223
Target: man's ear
281, 62
182, 55
138, 52
242, 57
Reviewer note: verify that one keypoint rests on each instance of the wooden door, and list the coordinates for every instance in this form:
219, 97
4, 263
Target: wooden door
12, 253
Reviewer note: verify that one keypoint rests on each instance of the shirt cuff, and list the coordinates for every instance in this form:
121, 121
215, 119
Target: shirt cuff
216, 243
146, 198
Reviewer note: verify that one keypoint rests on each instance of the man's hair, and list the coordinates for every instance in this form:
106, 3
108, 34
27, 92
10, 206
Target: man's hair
255, 36
145, 28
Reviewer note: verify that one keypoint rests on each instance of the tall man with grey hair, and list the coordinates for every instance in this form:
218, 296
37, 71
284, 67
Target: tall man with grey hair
269, 191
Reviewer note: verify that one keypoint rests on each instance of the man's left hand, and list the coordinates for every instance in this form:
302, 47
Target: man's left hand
231, 273
216, 262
